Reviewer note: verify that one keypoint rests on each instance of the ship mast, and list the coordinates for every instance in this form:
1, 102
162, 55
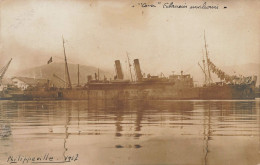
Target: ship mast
209, 76
232, 79
205, 74
3, 70
67, 75
129, 66
98, 74
204, 68
57, 77
78, 74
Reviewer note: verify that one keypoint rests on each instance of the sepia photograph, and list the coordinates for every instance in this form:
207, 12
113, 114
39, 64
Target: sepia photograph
130, 82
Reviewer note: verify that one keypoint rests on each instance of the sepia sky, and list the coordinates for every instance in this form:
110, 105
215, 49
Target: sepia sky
98, 32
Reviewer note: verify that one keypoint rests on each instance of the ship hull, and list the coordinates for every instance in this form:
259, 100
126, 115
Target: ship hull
227, 92
141, 91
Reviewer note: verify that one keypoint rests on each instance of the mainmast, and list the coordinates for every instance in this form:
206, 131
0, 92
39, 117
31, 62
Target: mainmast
204, 67
78, 74
129, 66
205, 74
233, 79
209, 76
67, 75
98, 74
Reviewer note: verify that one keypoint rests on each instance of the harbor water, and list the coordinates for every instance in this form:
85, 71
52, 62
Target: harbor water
131, 132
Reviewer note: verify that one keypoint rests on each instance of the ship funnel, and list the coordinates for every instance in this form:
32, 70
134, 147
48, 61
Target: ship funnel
138, 72
119, 72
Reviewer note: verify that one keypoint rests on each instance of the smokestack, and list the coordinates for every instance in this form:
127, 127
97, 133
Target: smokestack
138, 72
119, 72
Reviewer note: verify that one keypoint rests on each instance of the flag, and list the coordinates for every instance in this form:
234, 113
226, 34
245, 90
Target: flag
49, 61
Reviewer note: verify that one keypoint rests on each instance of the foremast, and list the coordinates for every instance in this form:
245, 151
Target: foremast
67, 74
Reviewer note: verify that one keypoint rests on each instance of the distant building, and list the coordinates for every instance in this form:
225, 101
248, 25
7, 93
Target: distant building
25, 82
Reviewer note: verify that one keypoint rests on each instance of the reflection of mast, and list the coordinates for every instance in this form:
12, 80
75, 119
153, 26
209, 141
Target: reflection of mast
207, 134
78, 116
258, 120
67, 75
139, 116
119, 118
207, 57
66, 132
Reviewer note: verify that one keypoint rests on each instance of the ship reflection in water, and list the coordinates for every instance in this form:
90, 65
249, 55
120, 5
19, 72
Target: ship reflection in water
133, 132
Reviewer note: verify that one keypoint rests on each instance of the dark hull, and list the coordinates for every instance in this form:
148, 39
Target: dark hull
234, 92
154, 91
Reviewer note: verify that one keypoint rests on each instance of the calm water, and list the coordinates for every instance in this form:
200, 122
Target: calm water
134, 132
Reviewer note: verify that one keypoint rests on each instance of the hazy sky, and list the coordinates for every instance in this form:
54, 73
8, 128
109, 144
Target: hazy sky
98, 32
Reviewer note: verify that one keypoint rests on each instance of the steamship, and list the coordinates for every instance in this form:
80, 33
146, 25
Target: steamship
174, 87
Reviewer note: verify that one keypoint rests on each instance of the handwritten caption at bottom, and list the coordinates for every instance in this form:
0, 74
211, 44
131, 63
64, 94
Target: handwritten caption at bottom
46, 158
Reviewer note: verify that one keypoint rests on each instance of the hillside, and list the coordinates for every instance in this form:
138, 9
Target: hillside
47, 71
